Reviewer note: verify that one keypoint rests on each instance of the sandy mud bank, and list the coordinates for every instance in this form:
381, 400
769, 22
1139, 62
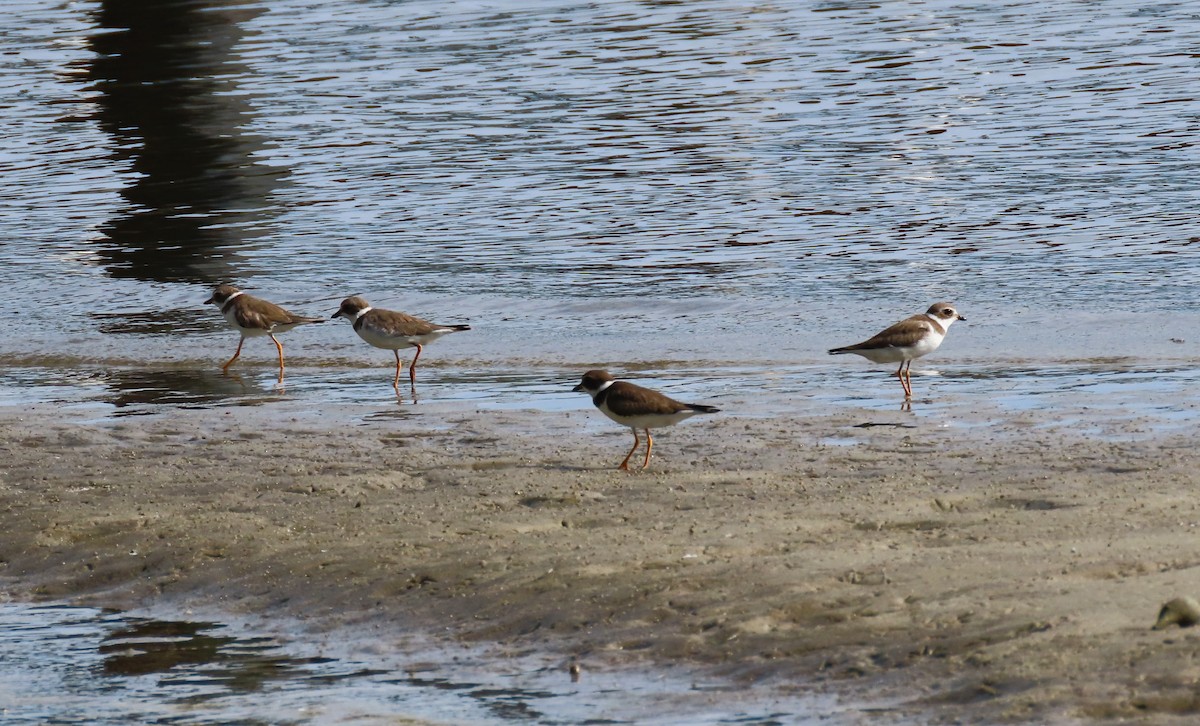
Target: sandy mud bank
982, 573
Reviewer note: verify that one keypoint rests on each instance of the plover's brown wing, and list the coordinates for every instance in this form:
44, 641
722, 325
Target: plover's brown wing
903, 334
252, 312
390, 322
629, 399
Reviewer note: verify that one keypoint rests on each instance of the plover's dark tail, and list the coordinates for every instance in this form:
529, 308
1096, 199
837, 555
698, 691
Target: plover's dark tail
699, 408
459, 327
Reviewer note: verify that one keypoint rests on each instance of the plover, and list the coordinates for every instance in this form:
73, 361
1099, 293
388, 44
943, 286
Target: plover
906, 341
392, 331
636, 407
253, 317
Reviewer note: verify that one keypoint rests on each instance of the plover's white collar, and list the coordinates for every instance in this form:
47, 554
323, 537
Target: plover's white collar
939, 324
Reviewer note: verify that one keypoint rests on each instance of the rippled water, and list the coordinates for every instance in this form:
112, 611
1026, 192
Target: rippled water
708, 194
655, 186
73, 665
605, 181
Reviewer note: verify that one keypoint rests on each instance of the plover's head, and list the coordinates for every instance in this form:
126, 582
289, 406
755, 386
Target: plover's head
351, 307
944, 313
222, 294
594, 381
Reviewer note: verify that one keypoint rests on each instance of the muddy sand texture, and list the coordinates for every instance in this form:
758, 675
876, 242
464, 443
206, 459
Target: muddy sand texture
984, 574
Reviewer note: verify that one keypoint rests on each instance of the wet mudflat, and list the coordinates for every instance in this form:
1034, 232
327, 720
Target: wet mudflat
935, 569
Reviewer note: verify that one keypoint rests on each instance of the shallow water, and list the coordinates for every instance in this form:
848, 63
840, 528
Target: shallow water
1114, 398
63, 665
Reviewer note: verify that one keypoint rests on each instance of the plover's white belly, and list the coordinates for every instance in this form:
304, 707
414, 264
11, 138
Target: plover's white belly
380, 339
902, 353
649, 421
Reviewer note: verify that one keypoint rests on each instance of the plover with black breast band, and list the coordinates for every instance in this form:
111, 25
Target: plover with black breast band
393, 331
254, 317
636, 407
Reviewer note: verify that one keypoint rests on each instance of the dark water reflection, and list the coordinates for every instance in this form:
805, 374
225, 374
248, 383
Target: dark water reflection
164, 74
131, 390
152, 646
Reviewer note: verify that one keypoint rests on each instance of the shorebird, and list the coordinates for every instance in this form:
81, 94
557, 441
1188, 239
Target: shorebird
638, 408
392, 331
253, 317
906, 341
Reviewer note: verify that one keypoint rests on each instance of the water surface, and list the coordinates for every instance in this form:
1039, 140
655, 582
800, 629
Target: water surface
64, 665
613, 182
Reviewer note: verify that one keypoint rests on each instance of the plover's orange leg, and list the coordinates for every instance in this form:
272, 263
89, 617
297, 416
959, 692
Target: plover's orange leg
625, 464
649, 448
235, 356
412, 368
399, 367
279, 348
900, 376
908, 380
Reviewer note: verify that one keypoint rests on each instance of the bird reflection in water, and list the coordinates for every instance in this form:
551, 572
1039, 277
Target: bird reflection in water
133, 388
191, 653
